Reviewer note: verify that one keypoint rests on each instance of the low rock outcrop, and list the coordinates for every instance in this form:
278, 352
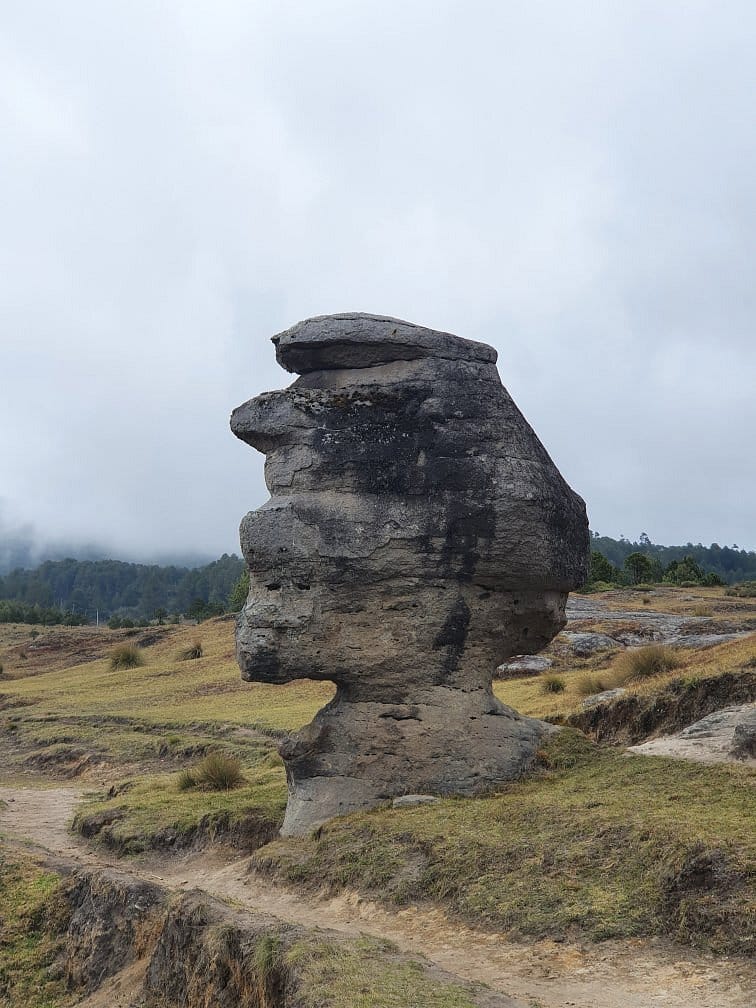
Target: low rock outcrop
417, 535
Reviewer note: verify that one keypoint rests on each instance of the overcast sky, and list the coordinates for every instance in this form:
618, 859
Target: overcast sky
574, 183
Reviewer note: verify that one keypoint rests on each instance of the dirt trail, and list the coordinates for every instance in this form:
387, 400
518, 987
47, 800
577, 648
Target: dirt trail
541, 974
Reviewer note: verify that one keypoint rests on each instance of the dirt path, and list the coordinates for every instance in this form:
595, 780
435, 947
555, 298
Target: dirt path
541, 974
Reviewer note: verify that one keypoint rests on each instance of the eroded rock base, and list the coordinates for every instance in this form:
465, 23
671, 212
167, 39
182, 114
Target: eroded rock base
449, 742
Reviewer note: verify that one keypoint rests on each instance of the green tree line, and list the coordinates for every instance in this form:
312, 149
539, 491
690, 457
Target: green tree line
729, 563
112, 588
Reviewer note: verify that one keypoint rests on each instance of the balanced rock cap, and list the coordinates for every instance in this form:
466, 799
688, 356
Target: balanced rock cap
357, 340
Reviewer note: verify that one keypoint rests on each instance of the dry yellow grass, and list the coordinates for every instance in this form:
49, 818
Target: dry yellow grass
165, 690
209, 689
527, 696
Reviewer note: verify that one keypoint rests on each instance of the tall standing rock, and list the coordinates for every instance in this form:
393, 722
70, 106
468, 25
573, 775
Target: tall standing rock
417, 534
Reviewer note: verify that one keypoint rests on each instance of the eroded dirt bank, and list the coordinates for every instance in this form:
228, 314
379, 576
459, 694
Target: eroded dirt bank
632, 974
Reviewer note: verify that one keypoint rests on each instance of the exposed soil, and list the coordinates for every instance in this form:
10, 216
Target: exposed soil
615, 974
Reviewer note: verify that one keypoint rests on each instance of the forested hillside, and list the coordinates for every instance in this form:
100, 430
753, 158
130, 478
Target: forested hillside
730, 563
84, 589
112, 587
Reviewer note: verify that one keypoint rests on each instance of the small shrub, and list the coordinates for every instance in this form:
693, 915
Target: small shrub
588, 685
553, 684
600, 586
702, 610
186, 780
268, 965
646, 600
644, 662
218, 772
126, 656
190, 653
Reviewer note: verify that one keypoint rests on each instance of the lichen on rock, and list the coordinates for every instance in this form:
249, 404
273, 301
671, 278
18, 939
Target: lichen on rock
416, 536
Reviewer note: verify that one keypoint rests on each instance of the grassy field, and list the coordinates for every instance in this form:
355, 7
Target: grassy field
165, 690
598, 842
528, 696
155, 811
208, 691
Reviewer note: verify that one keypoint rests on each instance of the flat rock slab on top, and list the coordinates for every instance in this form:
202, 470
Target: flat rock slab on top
417, 535
353, 341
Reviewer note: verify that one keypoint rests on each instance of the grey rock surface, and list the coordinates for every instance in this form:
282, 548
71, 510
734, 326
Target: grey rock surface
725, 736
523, 665
416, 536
410, 800
585, 644
606, 696
703, 641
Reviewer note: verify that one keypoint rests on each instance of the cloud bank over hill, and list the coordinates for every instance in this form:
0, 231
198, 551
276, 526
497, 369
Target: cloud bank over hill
571, 183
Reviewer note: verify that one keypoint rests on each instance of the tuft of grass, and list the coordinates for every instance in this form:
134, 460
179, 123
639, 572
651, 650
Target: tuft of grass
702, 610
553, 684
267, 956
218, 772
644, 663
170, 810
126, 656
588, 685
185, 780
192, 652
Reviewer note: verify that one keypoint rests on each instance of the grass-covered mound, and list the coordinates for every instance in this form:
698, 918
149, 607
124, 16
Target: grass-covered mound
366, 973
180, 809
599, 844
30, 912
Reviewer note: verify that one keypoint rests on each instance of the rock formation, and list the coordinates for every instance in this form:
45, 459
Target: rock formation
417, 535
